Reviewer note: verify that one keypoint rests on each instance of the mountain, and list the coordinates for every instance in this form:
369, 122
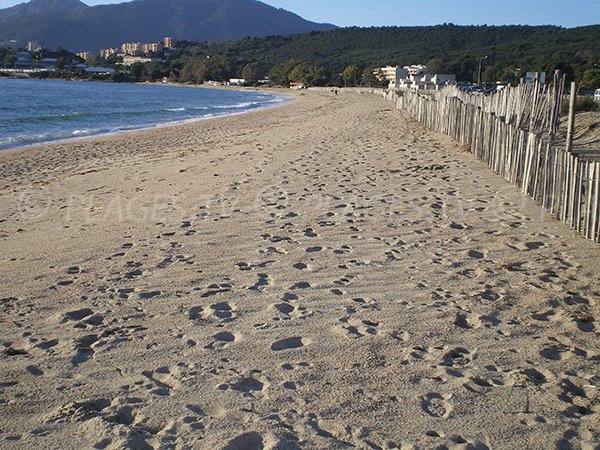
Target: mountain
39, 7
74, 25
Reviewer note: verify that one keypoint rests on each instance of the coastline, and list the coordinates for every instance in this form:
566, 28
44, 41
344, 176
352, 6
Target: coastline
285, 98
319, 275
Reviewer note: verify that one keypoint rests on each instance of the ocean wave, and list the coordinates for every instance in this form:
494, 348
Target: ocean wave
238, 105
113, 113
62, 117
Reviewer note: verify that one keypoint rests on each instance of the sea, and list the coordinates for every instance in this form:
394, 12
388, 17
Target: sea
43, 111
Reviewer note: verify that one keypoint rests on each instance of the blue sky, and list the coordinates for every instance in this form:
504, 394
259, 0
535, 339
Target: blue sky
461, 12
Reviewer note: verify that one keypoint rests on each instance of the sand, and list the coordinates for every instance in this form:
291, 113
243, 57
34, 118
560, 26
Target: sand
323, 275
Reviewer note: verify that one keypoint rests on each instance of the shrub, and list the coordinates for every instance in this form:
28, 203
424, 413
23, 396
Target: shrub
583, 104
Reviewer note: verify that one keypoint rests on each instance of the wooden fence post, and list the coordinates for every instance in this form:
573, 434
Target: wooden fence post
571, 125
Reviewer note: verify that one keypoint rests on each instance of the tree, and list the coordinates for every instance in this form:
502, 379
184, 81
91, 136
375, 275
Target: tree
280, 72
368, 78
435, 66
60, 63
465, 68
10, 60
350, 75
591, 79
136, 70
194, 70
309, 74
252, 72
218, 68
300, 72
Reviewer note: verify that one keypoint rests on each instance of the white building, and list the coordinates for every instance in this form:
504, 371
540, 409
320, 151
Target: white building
128, 60
169, 42
33, 46
131, 48
386, 73
106, 52
84, 55
237, 82
153, 47
415, 70
395, 73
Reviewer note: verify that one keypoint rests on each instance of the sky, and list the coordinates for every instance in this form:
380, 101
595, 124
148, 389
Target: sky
431, 12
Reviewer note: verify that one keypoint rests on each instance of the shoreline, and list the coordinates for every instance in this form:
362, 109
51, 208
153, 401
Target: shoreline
326, 274
285, 98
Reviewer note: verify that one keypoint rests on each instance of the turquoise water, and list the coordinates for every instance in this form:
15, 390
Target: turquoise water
42, 111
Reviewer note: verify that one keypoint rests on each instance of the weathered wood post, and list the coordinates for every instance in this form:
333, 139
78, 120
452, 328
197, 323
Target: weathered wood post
571, 125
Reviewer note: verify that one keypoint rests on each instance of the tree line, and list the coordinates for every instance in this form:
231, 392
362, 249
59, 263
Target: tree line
349, 56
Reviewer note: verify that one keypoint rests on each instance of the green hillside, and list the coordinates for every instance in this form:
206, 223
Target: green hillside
511, 50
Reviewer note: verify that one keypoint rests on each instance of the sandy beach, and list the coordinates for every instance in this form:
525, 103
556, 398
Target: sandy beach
323, 275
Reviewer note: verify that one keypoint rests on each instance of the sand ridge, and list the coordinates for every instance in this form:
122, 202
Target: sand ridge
327, 274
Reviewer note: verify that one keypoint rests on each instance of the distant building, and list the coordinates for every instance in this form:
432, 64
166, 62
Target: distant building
106, 52
33, 46
417, 69
138, 48
153, 47
131, 48
84, 55
99, 70
266, 82
47, 63
237, 82
169, 42
128, 60
389, 73
297, 85
23, 60
395, 73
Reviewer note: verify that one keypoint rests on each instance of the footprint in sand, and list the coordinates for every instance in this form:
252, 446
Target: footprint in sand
475, 254
83, 349
344, 249
315, 249
309, 232
300, 285
346, 280
216, 288
457, 357
437, 405
163, 380
223, 312
292, 311
246, 441
356, 328
244, 266
263, 281
288, 344
222, 340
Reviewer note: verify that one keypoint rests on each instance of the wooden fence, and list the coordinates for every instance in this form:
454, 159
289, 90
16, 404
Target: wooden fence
514, 132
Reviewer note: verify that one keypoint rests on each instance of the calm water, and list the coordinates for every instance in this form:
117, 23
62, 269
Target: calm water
38, 111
